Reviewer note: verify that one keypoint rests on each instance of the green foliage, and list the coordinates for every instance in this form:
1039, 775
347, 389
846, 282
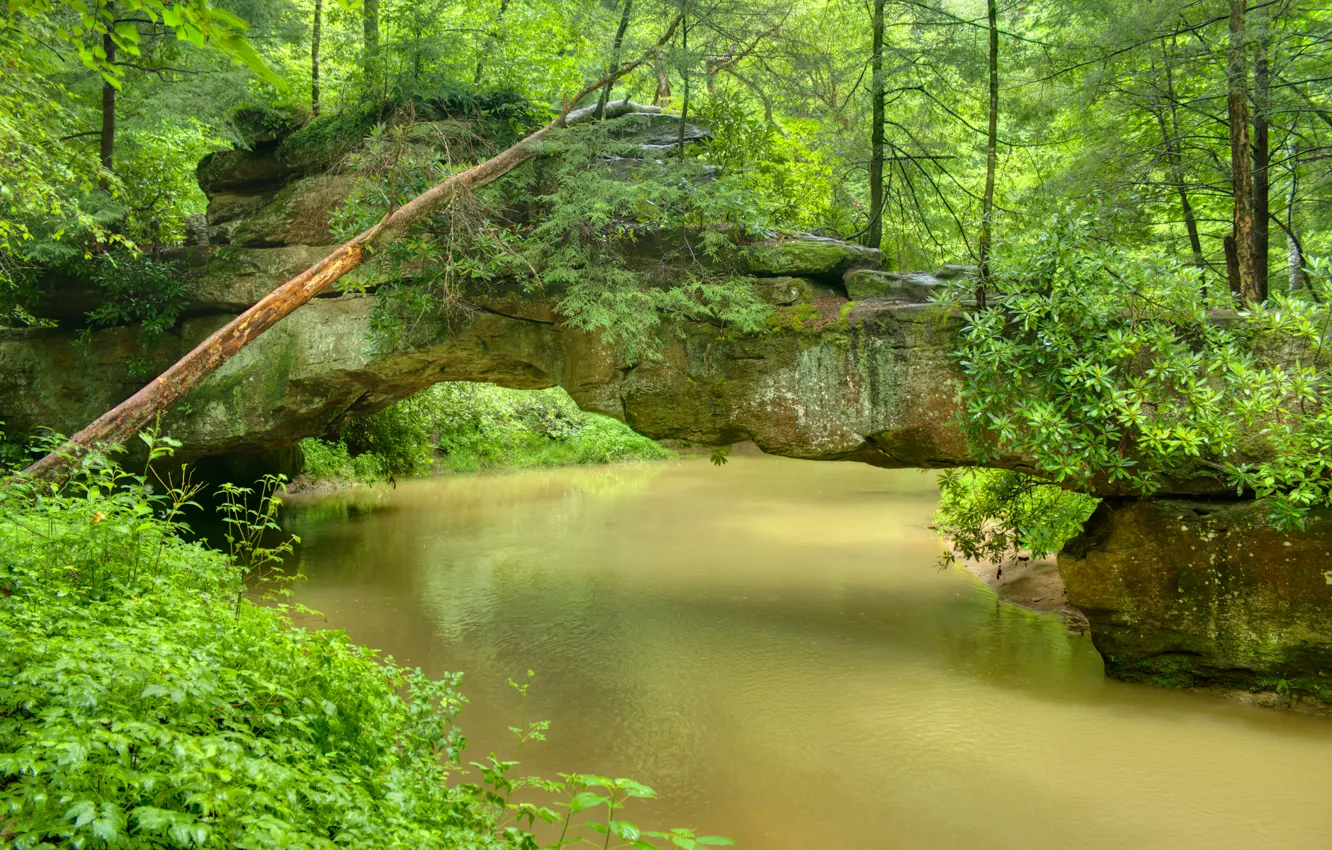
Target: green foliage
597, 197
1099, 363
993, 514
482, 426
138, 289
465, 427
149, 703
82, 24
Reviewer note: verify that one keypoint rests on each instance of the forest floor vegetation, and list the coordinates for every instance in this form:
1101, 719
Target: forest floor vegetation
465, 427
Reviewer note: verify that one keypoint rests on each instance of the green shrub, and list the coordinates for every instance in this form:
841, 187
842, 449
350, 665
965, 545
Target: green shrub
148, 703
1104, 364
992, 514
465, 427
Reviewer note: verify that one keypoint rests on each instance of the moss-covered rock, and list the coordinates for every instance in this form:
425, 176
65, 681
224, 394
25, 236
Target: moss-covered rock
1195, 593
809, 256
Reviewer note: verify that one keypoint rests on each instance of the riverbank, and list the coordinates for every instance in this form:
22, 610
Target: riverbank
1031, 583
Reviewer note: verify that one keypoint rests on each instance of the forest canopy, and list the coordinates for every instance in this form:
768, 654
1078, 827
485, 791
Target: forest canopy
872, 120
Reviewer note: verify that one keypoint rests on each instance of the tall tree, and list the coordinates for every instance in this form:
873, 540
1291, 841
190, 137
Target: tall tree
1294, 250
1262, 156
107, 150
625, 12
492, 39
1168, 116
991, 148
874, 234
315, 38
1240, 251
371, 60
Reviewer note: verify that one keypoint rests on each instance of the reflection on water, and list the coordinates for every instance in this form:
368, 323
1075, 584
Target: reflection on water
771, 646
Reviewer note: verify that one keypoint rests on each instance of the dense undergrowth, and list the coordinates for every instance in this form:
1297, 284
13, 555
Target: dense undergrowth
466, 427
150, 703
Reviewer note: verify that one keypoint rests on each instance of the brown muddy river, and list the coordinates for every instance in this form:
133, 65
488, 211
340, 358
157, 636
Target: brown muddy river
772, 647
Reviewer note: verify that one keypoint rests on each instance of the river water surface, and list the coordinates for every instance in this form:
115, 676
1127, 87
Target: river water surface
772, 647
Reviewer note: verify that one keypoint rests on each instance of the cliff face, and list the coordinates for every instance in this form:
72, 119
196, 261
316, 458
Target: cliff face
1186, 593
831, 379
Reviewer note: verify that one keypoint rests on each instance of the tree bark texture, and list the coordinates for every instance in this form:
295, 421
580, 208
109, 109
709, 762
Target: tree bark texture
1240, 261
1294, 251
874, 234
120, 424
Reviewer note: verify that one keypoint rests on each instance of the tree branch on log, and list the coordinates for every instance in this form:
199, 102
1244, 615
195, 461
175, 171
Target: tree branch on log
126, 419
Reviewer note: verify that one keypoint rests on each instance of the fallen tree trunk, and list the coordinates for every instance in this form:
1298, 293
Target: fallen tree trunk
120, 424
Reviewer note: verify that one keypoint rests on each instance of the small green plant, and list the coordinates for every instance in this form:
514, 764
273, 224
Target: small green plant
250, 517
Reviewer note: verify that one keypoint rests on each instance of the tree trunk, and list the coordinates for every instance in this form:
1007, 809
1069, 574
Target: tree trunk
1175, 155
684, 77
1294, 251
492, 39
108, 145
1240, 259
874, 235
121, 423
370, 44
615, 55
1261, 164
991, 153
315, 38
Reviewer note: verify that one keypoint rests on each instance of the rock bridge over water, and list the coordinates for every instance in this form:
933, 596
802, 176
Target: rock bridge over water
1182, 589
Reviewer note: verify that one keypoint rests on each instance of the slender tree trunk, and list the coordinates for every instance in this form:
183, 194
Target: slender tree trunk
492, 40
108, 146
1294, 251
315, 38
874, 235
991, 153
1261, 164
121, 423
684, 77
615, 55
370, 44
1240, 259
1176, 158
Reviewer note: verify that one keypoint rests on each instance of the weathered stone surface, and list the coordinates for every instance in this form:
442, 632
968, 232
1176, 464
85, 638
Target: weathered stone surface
235, 278
1201, 593
914, 287
876, 386
298, 214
